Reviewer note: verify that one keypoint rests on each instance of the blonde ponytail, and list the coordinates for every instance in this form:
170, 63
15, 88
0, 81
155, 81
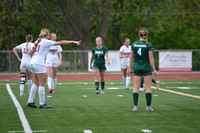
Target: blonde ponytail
28, 39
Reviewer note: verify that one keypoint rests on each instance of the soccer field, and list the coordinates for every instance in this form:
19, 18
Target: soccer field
78, 109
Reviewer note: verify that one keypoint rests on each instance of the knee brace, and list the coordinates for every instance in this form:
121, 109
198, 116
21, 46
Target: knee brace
23, 78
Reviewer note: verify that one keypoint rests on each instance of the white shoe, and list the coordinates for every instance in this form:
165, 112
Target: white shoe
157, 84
97, 92
141, 89
102, 91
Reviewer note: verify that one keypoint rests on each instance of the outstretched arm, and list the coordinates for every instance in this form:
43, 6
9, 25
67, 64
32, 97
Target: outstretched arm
66, 42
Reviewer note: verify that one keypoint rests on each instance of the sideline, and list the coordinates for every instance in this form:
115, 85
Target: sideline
176, 92
20, 111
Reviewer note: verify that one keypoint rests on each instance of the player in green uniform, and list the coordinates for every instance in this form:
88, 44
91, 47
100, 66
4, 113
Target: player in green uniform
142, 50
157, 83
99, 68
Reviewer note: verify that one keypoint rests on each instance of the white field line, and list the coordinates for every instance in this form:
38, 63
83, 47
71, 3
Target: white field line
146, 131
176, 92
87, 131
20, 111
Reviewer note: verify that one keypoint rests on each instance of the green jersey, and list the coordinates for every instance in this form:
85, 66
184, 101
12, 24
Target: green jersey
99, 57
142, 64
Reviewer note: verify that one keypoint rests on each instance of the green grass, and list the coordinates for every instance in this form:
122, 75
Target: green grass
105, 113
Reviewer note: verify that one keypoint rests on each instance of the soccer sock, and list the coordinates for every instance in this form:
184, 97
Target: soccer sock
29, 86
135, 98
22, 82
97, 85
148, 98
154, 81
102, 85
41, 92
124, 79
21, 86
128, 79
49, 82
142, 83
32, 93
54, 83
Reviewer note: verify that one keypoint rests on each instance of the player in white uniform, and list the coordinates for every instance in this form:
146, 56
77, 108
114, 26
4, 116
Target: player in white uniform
124, 54
25, 63
52, 63
38, 68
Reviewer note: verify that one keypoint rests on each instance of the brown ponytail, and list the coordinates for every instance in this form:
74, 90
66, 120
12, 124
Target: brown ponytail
28, 39
43, 34
143, 34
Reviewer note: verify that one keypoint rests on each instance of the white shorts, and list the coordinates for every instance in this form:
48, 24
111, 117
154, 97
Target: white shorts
25, 65
36, 68
124, 66
51, 63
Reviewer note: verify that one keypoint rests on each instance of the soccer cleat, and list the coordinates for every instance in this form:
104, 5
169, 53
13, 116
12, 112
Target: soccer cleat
97, 91
102, 91
50, 90
135, 109
127, 88
45, 106
157, 84
149, 109
53, 91
32, 105
141, 89
21, 94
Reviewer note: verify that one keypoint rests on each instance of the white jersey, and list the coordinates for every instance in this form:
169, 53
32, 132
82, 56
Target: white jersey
125, 51
25, 51
53, 53
41, 51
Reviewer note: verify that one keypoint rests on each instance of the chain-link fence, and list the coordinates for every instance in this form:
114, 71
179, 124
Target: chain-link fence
77, 61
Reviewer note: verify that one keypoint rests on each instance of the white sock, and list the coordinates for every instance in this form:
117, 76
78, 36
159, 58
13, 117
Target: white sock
29, 86
49, 82
32, 93
54, 83
21, 86
124, 79
41, 92
128, 79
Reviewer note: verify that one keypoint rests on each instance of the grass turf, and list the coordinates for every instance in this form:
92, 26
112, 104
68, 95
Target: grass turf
76, 107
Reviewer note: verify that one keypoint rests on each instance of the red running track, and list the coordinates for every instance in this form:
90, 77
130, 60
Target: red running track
108, 76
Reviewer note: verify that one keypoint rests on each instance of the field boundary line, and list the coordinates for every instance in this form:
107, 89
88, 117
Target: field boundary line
20, 111
176, 92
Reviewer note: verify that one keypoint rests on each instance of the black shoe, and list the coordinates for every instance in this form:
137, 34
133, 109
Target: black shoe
45, 106
32, 105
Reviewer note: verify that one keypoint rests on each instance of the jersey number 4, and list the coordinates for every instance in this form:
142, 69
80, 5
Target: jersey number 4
139, 51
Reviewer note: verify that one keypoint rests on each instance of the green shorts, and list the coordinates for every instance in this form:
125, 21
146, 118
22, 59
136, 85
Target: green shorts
142, 70
99, 67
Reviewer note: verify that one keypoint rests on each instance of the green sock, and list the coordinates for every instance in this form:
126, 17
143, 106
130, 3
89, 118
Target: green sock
97, 85
135, 98
142, 82
102, 85
148, 98
153, 80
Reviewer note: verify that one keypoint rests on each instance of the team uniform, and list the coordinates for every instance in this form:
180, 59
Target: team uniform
142, 66
25, 65
125, 63
99, 58
38, 66
26, 58
38, 58
52, 59
125, 51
